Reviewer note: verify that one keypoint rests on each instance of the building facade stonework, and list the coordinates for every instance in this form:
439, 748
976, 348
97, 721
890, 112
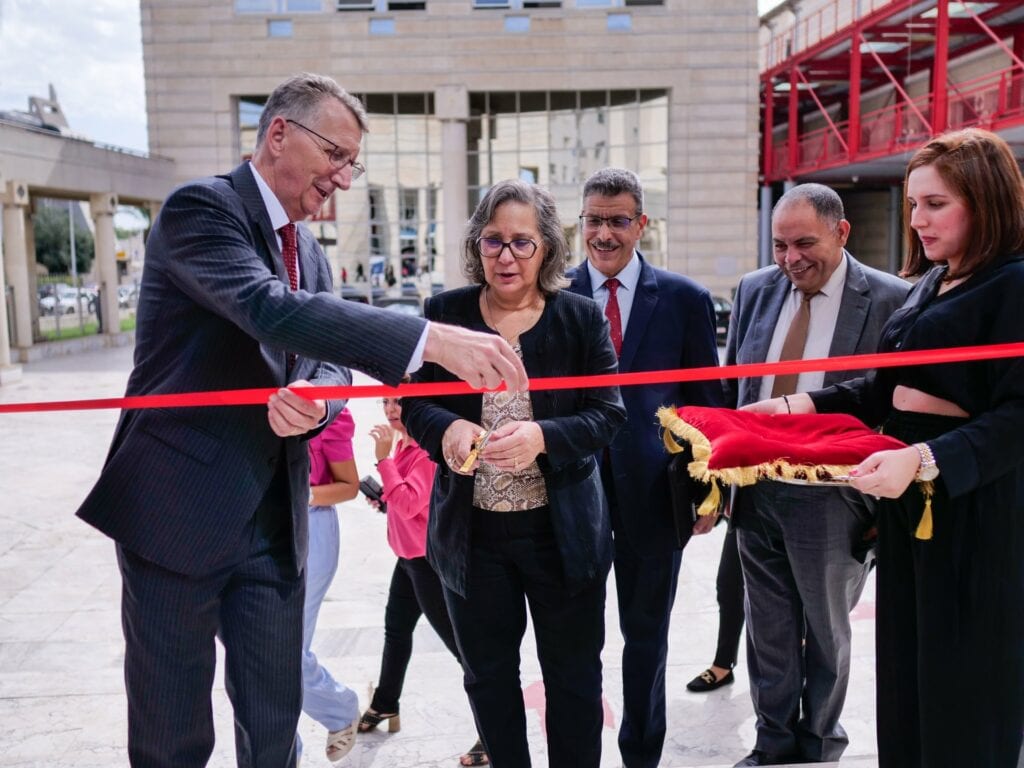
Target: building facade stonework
462, 93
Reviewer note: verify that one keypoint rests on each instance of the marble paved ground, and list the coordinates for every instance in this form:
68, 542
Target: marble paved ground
61, 692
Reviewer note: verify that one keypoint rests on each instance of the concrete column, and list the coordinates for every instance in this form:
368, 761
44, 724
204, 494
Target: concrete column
895, 228
422, 225
764, 218
452, 105
16, 267
8, 371
102, 207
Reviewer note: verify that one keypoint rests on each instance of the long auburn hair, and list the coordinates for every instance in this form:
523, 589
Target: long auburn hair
980, 169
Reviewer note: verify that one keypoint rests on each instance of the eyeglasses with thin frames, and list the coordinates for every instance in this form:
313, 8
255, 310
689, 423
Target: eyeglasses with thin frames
520, 248
615, 223
336, 156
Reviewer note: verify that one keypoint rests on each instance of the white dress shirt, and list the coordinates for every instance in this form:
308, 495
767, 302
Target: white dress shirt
824, 314
628, 277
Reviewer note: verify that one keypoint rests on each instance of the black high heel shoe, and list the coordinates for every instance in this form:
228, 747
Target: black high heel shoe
370, 720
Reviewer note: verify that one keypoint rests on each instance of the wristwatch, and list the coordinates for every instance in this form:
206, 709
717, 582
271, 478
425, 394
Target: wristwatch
928, 470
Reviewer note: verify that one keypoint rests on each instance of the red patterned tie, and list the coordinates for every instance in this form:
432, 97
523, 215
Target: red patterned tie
611, 311
290, 253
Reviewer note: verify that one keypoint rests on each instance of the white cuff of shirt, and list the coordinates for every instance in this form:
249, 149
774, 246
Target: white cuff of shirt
416, 361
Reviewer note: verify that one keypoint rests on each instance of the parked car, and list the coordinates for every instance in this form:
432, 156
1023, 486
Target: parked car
127, 296
723, 311
63, 299
359, 292
410, 305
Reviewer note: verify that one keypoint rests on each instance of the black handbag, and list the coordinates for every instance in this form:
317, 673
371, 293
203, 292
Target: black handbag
684, 511
372, 489
686, 495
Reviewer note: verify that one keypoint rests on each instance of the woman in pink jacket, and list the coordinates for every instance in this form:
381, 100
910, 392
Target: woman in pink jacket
407, 476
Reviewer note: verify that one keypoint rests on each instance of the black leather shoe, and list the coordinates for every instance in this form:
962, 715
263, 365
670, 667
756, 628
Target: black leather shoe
757, 757
706, 681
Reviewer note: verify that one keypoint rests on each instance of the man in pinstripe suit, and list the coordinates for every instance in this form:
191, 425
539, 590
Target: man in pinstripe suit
208, 506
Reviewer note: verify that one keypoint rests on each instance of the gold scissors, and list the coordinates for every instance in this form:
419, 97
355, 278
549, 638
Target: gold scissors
478, 445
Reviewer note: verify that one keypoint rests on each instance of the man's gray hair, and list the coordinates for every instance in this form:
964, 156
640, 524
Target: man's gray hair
824, 200
556, 248
609, 182
300, 96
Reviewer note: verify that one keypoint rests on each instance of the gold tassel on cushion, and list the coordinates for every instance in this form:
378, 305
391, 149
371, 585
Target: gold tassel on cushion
710, 504
924, 528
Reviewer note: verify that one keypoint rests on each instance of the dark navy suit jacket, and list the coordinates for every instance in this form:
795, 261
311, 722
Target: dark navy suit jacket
570, 339
671, 325
215, 312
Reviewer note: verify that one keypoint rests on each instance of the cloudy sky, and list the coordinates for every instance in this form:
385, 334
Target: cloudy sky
91, 51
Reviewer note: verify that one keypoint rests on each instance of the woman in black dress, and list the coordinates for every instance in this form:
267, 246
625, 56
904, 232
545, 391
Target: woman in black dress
950, 608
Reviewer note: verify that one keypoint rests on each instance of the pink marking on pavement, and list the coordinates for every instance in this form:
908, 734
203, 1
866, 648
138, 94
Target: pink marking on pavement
864, 611
534, 698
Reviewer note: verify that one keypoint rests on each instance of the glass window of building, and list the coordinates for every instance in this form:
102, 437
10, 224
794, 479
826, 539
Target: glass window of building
279, 27
558, 138
619, 22
278, 6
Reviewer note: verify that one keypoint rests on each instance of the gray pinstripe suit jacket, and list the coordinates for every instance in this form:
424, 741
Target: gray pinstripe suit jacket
215, 312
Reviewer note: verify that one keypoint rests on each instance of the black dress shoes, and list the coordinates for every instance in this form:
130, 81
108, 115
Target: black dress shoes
757, 757
706, 681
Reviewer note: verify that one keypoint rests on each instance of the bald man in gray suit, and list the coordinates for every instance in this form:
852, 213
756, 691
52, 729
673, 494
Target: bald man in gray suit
797, 544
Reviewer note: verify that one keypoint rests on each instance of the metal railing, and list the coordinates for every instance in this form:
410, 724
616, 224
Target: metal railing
831, 18
994, 100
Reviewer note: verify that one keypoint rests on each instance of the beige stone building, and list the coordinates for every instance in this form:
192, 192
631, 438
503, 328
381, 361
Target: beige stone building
462, 93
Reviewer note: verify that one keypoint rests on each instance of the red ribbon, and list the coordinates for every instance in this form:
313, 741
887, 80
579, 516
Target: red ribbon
260, 396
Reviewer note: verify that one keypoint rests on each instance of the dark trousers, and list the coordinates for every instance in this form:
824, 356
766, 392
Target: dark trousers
515, 564
170, 622
646, 589
415, 591
729, 589
950, 624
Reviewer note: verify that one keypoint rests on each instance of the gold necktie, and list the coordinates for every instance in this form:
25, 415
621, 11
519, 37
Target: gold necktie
793, 346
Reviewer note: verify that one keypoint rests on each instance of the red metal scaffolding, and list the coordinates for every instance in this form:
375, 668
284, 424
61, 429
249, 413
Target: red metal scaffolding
818, 75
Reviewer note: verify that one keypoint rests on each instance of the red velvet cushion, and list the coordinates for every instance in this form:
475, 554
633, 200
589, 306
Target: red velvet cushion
741, 439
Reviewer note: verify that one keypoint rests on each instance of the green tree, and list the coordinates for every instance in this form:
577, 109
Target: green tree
52, 247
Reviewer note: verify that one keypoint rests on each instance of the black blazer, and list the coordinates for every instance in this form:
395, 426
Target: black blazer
671, 325
215, 312
570, 339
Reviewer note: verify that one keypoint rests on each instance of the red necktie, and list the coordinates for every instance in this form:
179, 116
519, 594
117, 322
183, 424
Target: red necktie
611, 311
290, 253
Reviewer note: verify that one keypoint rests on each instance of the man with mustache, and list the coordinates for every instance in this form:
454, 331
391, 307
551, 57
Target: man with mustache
658, 320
